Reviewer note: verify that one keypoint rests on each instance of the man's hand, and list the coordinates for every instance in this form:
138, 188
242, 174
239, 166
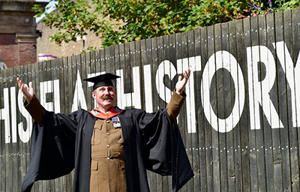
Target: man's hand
182, 81
28, 92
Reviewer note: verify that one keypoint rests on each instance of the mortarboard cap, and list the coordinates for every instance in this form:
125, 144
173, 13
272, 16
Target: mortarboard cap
102, 80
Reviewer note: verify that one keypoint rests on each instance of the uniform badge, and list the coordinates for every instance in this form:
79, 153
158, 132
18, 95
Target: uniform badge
116, 122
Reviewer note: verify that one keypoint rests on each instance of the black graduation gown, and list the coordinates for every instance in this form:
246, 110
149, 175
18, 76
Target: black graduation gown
151, 141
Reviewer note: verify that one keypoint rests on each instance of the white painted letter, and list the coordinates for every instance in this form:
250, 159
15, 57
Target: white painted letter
24, 135
293, 77
49, 87
4, 115
129, 99
13, 109
223, 59
79, 98
148, 89
259, 90
195, 64
164, 68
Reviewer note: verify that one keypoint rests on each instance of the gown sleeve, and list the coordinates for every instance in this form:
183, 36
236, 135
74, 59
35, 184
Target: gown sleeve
52, 145
163, 148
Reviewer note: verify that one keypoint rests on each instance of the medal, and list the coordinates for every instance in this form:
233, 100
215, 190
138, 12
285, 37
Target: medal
116, 122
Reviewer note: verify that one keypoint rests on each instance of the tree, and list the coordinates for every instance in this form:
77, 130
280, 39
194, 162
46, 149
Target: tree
119, 21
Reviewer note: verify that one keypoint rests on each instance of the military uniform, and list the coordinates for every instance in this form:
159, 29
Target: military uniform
107, 154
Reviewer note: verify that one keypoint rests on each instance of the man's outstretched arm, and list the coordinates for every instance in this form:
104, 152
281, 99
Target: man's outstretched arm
174, 106
32, 104
28, 92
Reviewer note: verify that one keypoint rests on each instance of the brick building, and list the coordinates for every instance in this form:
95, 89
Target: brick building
17, 33
46, 47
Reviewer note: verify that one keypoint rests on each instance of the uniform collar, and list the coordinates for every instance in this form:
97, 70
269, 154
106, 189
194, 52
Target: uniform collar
113, 112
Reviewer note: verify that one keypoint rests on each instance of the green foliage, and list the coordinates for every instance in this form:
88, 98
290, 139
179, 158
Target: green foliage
268, 6
119, 21
285, 5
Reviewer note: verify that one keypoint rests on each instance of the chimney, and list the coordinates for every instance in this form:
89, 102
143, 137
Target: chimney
18, 32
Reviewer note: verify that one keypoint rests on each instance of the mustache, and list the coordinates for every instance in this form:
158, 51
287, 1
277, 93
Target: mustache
107, 97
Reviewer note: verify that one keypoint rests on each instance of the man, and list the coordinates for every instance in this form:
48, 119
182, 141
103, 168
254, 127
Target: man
109, 148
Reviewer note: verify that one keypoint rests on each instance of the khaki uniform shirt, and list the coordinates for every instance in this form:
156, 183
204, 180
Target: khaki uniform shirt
107, 166
107, 158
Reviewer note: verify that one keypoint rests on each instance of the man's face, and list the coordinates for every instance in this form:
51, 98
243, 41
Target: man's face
104, 96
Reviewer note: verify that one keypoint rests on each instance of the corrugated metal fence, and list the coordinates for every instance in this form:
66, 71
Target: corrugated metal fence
240, 122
